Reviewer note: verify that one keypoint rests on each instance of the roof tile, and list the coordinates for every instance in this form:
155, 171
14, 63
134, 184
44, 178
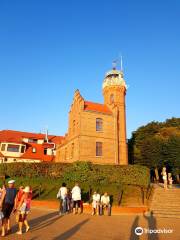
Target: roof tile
97, 107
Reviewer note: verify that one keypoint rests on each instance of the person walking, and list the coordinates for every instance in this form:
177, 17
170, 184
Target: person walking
18, 199
8, 201
95, 203
76, 197
69, 201
23, 208
62, 196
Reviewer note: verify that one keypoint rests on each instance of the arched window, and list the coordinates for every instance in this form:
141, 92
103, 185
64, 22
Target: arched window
112, 98
99, 149
72, 150
65, 153
99, 124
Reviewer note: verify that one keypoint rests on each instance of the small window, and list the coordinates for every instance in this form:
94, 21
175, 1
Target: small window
72, 150
34, 150
112, 98
99, 124
22, 149
14, 160
45, 151
65, 154
3, 147
98, 149
13, 148
74, 126
32, 140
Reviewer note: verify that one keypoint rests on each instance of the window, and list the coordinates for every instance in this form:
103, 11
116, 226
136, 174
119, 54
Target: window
72, 150
65, 154
32, 140
74, 126
22, 149
34, 150
112, 98
99, 124
13, 148
45, 151
98, 149
3, 147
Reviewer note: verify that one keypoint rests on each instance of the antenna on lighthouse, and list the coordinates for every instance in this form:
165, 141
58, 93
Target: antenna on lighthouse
114, 64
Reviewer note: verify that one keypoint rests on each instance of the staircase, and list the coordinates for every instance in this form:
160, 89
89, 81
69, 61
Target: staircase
166, 203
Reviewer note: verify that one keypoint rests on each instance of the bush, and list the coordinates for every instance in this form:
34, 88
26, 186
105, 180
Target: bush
83, 172
46, 178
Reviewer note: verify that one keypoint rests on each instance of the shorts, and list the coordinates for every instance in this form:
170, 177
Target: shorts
77, 203
7, 209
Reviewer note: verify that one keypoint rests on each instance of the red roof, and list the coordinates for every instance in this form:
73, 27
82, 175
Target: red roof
97, 107
17, 137
38, 155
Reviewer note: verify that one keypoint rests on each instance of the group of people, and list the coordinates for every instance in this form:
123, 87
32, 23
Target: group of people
167, 178
100, 204
70, 201
17, 202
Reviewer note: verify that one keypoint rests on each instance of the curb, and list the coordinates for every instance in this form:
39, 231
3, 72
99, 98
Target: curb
54, 206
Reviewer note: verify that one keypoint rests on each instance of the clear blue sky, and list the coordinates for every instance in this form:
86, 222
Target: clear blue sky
50, 48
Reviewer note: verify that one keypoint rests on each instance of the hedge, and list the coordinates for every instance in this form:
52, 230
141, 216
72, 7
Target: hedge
84, 172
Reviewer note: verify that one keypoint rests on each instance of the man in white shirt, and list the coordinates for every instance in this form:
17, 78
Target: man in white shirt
105, 204
95, 203
76, 197
62, 196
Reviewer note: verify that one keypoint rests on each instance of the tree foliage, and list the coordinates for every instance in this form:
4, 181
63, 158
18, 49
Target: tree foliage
157, 144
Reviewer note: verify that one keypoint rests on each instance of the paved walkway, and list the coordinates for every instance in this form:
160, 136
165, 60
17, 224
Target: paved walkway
48, 225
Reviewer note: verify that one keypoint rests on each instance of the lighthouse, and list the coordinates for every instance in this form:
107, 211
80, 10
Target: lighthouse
114, 92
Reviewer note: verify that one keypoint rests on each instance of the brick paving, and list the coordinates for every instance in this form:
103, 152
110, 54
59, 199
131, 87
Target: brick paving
48, 225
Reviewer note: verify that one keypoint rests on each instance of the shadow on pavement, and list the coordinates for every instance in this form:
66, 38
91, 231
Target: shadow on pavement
152, 225
46, 220
66, 235
133, 236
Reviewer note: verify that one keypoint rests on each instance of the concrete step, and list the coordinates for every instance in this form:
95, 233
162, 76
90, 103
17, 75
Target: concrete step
166, 215
168, 193
164, 207
164, 211
165, 200
164, 204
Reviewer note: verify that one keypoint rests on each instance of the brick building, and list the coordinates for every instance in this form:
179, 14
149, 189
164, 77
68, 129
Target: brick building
97, 132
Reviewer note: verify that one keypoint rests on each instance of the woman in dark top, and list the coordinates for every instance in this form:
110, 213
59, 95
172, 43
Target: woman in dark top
8, 202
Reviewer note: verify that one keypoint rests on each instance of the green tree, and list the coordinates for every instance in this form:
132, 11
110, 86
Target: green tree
156, 145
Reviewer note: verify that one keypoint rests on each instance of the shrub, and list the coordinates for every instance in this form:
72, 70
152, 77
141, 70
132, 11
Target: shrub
86, 173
